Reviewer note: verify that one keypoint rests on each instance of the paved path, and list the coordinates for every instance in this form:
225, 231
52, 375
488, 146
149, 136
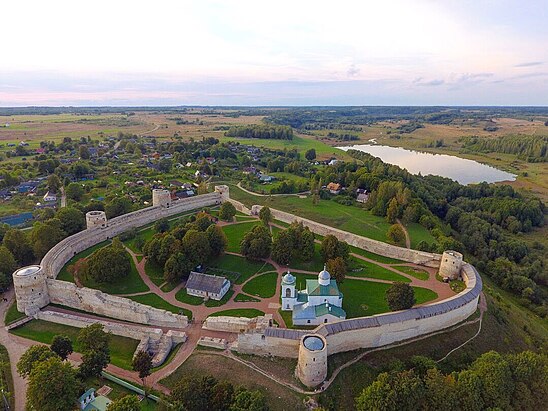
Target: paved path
16, 346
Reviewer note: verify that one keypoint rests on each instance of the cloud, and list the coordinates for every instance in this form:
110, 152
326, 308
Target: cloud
353, 70
430, 83
530, 64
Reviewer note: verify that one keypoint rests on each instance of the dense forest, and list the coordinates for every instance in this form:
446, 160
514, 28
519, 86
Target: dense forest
491, 382
261, 131
481, 220
534, 149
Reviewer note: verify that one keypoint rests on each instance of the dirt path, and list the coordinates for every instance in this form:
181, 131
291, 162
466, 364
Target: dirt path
407, 238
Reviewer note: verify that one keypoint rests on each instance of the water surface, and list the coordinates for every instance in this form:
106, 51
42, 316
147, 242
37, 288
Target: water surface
459, 169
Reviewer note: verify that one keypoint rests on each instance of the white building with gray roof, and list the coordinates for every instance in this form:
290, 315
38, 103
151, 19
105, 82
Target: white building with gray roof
207, 286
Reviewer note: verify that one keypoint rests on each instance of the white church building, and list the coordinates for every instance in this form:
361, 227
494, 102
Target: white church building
320, 302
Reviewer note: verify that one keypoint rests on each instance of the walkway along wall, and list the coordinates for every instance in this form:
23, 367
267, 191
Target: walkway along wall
94, 301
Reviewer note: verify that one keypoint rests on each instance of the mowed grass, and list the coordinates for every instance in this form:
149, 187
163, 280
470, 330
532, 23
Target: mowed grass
156, 301
235, 234
64, 275
263, 286
375, 257
239, 312
154, 272
121, 348
415, 272
241, 265
12, 314
363, 298
185, 298
132, 283
371, 270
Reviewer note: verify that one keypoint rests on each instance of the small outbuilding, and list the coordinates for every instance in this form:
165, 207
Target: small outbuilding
207, 286
90, 402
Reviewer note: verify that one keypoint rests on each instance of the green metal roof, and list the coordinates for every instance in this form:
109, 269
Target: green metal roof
324, 309
314, 288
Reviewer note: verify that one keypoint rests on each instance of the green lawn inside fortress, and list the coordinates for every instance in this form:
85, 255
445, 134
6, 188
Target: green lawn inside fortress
121, 348
363, 298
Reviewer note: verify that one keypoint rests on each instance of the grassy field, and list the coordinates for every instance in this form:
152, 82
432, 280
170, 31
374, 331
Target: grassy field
348, 218
154, 272
263, 286
224, 300
235, 234
202, 363
236, 264
302, 144
12, 314
158, 302
415, 272
183, 297
121, 348
371, 270
239, 312
418, 233
363, 298
132, 283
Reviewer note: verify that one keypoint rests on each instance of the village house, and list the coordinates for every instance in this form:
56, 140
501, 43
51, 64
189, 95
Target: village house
362, 195
50, 197
334, 188
207, 286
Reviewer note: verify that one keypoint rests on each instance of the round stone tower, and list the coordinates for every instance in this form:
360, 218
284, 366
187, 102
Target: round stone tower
31, 290
161, 198
451, 264
224, 192
96, 219
312, 363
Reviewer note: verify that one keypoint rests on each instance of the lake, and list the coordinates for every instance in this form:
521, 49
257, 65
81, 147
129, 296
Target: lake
459, 169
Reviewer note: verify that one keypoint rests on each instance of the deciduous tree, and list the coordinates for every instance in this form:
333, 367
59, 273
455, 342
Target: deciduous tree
53, 386
62, 346
400, 296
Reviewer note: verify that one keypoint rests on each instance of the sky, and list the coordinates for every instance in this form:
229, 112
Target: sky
298, 52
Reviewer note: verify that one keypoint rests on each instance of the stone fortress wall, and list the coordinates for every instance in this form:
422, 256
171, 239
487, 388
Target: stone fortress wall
368, 244
37, 287
373, 331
